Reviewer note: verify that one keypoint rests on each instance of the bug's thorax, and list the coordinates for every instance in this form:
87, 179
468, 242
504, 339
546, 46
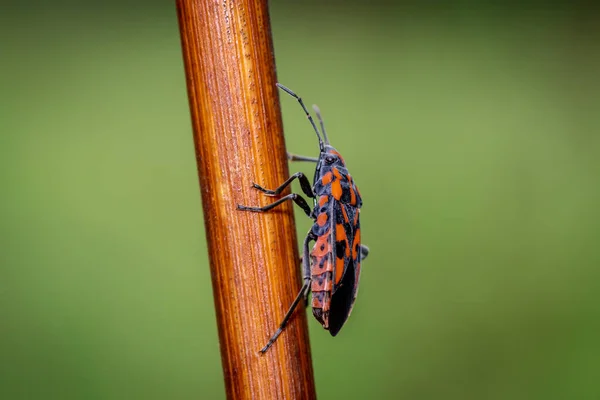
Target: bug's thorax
333, 180
329, 160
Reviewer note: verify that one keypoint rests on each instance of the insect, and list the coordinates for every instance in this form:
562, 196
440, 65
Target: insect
331, 270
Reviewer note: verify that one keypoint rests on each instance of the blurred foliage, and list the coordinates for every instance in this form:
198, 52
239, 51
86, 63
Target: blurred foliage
472, 131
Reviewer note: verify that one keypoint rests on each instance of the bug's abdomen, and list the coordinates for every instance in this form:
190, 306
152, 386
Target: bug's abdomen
322, 279
322, 263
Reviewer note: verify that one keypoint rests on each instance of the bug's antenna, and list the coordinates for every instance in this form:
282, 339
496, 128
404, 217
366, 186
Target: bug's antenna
312, 122
320, 118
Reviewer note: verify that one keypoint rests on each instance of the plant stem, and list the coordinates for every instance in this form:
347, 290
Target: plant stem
234, 104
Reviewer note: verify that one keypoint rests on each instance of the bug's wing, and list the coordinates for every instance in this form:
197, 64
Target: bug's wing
345, 237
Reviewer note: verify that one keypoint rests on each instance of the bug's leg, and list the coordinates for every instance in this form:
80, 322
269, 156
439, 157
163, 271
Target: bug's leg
304, 273
296, 157
304, 184
305, 261
301, 294
296, 198
364, 252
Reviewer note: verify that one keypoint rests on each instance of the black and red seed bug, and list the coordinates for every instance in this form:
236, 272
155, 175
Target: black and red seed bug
331, 270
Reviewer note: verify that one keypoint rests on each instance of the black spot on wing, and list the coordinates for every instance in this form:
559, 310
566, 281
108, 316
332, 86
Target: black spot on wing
339, 218
346, 196
340, 248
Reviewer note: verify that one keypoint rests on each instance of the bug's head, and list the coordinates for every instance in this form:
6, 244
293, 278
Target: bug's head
331, 157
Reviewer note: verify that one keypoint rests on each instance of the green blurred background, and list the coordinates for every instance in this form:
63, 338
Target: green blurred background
472, 131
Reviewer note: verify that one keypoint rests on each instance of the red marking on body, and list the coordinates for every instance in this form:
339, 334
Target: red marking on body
327, 178
340, 232
316, 303
322, 246
324, 286
322, 219
339, 269
315, 286
327, 266
336, 190
336, 186
323, 200
337, 173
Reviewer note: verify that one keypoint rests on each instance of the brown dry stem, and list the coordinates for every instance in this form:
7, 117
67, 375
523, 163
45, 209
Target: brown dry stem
230, 69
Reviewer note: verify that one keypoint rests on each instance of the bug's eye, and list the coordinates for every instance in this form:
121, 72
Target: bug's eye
330, 159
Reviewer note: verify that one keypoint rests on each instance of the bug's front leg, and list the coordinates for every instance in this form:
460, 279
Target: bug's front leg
296, 157
296, 198
304, 184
